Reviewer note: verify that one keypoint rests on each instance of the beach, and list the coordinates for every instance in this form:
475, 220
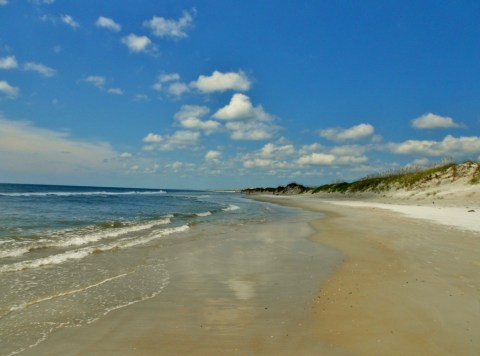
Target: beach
232, 288
356, 278
409, 285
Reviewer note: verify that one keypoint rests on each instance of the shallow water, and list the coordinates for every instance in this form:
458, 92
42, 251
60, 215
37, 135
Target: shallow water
71, 255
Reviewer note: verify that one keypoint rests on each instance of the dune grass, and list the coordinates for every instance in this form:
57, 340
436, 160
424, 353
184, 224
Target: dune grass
400, 180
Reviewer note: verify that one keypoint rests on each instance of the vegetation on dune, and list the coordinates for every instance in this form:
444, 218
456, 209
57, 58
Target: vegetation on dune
406, 179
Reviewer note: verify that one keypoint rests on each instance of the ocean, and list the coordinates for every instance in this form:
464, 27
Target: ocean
70, 255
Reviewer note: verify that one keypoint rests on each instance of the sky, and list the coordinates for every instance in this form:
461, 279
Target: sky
234, 94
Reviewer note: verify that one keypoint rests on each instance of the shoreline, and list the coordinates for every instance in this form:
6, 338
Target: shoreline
408, 286
359, 280
233, 290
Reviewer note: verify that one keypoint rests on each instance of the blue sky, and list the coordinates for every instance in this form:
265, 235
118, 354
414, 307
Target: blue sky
234, 94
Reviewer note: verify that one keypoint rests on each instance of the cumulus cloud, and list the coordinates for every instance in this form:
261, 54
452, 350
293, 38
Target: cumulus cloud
108, 23
270, 156
250, 130
27, 148
187, 111
138, 44
165, 78
317, 159
169, 28
245, 121
189, 118
432, 121
272, 150
178, 140
9, 62
9, 90
170, 82
221, 82
192, 123
351, 134
3, 2
450, 146
126, 155
213, 156
178, 88
39, 68
240, 108
328, 159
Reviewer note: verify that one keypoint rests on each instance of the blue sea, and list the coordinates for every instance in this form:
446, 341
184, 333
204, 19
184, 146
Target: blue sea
70, 255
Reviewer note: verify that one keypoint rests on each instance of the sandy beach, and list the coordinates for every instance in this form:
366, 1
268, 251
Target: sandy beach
362, 279
411, 281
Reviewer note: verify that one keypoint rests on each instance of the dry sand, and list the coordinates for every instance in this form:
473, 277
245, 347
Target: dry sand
400, 286
410, 286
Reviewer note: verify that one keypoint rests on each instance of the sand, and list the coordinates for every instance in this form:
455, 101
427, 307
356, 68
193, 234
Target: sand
238, 290
410, 284
362, 280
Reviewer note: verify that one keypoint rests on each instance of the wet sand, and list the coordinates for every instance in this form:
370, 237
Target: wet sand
241, 289
363, 281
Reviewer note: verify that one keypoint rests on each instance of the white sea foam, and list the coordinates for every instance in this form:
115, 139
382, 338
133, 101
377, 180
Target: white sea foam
207, 213
16, 252
231, 207
27, 304
75, 237
66, 194
86, 251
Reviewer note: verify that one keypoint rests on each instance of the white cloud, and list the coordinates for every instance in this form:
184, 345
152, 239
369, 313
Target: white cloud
68, 20
270, 156
96, 80
188, 118
168, 77
317, 159
192, 123
250, 130
116, 91
213, 156
39, 68
10, 91
178, 88
221, 82
449, 147
108, 23
165, 78
187, 111
29, 149
179, 140
239, 108
169, 28
3, 2
316, 154
126, 155
171, 84
246, 122
272, 150
9, 62
432, 121
138, 44
351, 134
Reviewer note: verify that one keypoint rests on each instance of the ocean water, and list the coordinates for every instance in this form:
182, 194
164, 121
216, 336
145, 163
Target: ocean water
70, 255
